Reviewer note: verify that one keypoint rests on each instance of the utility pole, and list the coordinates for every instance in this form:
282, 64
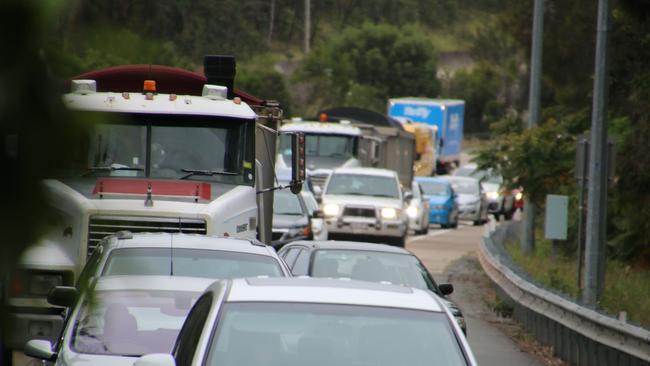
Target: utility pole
528, 234
271, 23
598, 168
307, 24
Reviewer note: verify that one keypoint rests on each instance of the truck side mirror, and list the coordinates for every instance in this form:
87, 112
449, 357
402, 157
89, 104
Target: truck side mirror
64, 296
297, 162
446, 288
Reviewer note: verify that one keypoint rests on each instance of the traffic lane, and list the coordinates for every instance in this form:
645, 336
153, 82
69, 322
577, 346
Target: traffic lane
450, 255
440, 248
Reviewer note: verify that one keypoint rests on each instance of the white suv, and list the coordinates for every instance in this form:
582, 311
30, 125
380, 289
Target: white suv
365, 202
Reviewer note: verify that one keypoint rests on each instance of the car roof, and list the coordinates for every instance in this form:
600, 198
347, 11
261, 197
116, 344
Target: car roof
438, 179
366, 171
459, 178
155, 283
187, 241
330, 291
351, 245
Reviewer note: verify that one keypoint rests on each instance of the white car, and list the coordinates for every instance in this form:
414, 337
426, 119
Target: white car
122, 318
418, 210
367, 203
314, 321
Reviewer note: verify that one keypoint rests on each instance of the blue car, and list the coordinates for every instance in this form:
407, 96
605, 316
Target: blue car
443, 208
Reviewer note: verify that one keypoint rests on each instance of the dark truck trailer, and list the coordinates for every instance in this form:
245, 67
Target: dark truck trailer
384, 144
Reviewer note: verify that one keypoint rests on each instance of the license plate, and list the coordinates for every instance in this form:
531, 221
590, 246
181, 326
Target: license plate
359, 226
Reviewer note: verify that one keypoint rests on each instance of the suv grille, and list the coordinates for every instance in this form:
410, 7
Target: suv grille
360, 212
102, 226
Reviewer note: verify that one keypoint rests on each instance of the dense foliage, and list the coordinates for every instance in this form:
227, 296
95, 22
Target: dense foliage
542, 159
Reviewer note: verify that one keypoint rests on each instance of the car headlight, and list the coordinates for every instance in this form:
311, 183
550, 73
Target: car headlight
412, 211
388, 213
492, 195
331, 209
519, 196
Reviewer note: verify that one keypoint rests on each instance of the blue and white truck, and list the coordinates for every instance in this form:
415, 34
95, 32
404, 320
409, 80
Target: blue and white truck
446, 114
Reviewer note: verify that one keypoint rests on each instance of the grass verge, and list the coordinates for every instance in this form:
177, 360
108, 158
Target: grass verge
626, 289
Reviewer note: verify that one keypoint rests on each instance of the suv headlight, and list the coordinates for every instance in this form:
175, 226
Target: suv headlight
412, 211
331, 209
388, 213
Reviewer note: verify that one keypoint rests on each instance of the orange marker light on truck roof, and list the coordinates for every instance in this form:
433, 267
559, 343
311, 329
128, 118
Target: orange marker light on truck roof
323, 117
149, 86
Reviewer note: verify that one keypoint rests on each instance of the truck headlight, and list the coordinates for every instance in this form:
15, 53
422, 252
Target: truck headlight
492, 195
412, 211
331, 209
388, 213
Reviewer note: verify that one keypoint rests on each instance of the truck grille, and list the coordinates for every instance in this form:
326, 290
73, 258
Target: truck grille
318, 180
102, 226
359, 212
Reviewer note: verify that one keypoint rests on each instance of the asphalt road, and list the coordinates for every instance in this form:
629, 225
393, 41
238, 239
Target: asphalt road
451, 256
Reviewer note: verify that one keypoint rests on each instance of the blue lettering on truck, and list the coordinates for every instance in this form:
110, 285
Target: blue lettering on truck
447, 115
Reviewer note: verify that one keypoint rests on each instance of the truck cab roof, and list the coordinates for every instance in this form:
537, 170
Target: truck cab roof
321, 128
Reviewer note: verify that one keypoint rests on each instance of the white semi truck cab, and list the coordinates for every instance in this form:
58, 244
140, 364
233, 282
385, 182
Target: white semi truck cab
328, 146
173, 154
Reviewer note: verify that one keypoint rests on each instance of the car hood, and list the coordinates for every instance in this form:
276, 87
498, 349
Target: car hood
437, 200
70, 358
287, 221
348, 200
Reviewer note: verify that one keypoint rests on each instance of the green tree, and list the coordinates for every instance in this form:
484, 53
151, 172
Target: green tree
371, 63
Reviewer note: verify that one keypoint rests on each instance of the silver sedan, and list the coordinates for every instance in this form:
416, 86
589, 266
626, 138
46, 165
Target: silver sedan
309, 321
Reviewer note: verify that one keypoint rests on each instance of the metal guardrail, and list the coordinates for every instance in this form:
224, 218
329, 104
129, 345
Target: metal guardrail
579, 335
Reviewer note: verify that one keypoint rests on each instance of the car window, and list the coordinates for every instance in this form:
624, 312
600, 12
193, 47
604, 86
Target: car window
256, 333
188, 338
301, 267
219, 264
363, 185
396, 268
290, 256
287, 203
465, 186
434, 188
130, 322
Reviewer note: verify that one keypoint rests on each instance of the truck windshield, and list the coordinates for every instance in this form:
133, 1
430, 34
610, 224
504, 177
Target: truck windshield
327, 146
163, 146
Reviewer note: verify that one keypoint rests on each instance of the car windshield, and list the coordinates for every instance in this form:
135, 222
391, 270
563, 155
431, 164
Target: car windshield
363, 185
218, 264
130, 323
251, 333
162, 146
287, 203
465, 186
329, 146
396, 268
434, 188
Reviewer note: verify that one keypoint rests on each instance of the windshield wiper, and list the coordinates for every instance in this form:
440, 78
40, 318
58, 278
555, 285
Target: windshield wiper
208, 173
289, 213
382, 195
351, 193
110, 168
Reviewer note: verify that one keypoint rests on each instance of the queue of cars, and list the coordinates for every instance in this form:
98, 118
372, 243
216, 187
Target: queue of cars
151, 299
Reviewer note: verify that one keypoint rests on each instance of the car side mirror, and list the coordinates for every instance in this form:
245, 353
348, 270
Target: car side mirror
41, 349
156, 359
446, 288
408, 196
64, 296
318, 214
